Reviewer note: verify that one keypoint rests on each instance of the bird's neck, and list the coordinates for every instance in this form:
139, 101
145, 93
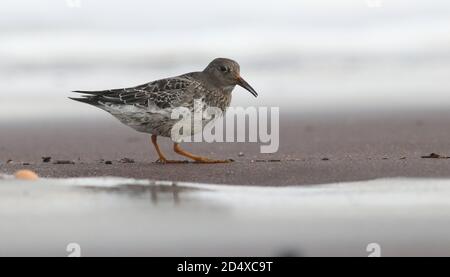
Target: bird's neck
220, 98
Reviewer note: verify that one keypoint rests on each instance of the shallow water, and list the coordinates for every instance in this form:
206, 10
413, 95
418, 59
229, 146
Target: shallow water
114, 216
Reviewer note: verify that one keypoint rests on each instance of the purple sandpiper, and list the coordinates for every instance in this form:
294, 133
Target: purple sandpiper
147, 108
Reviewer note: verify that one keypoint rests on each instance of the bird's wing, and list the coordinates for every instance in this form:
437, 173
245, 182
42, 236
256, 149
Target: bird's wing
164, 93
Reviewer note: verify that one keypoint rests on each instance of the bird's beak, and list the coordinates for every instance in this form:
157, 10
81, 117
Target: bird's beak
241, 82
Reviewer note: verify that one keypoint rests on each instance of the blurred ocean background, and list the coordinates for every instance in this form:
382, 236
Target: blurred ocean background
315, 56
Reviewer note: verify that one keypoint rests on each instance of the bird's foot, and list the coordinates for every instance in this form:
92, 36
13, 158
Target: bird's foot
165, 161
203, 160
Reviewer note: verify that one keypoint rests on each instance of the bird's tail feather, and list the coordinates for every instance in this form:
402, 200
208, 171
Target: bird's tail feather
90, 97
92, 100
91, 92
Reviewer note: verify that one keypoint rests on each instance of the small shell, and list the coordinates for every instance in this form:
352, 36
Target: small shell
26, 174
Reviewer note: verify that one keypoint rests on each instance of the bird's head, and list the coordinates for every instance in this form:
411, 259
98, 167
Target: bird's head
225, 73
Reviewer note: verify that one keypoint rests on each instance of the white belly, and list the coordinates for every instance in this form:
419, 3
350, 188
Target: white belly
154, 120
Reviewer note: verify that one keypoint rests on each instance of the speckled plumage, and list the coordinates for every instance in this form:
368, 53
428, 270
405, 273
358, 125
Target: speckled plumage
148, 107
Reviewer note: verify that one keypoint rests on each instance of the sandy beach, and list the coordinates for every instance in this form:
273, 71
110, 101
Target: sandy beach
313, 150
363, 165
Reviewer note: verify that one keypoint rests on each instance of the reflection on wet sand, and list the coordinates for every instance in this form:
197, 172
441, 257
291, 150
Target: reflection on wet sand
169, 193
129, 217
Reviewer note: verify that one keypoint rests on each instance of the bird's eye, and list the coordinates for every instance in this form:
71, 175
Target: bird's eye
223, 69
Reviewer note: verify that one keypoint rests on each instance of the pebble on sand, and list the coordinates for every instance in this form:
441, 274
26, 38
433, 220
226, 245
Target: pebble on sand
26, 174
46, 159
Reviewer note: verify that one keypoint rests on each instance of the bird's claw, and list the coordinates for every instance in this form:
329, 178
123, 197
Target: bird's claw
161, 161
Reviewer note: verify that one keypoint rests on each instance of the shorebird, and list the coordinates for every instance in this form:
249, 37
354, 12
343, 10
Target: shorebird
147, 108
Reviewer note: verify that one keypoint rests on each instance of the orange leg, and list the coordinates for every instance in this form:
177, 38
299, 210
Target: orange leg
162, 158
198, 159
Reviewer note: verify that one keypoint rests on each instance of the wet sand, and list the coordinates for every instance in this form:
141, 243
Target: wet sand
129, 217
313, 150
